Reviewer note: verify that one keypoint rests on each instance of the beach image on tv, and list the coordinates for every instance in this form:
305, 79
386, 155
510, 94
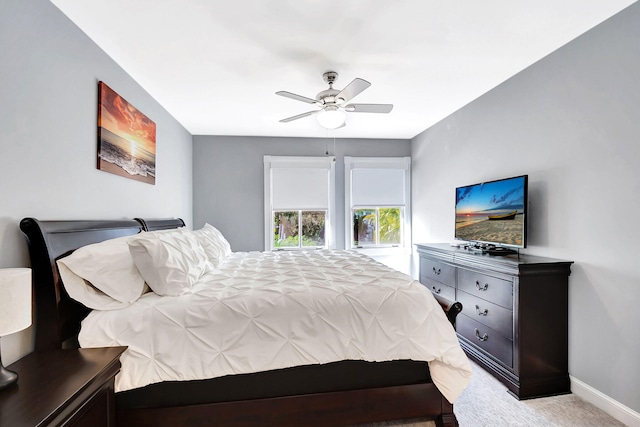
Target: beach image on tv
126, 138
492, 212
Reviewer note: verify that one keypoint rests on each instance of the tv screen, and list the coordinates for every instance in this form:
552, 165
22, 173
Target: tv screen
493, 212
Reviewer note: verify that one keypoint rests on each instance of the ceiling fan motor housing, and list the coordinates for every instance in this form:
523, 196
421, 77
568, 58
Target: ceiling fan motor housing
330, 77
328, 96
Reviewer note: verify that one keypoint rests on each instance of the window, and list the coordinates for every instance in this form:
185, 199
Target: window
299, 199
298, 229
376, 226
377, 202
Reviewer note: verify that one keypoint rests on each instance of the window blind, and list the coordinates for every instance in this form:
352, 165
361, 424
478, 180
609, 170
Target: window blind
377, 187
300, 188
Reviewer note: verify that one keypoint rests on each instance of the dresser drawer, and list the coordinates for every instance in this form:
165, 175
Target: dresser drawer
436, 270
487, 313
485, 338
498, 291
449, 292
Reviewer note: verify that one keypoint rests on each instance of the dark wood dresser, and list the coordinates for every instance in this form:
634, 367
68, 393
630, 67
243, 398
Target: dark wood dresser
71, 388
514, 321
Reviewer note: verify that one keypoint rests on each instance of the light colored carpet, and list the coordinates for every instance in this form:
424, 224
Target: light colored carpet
486, 403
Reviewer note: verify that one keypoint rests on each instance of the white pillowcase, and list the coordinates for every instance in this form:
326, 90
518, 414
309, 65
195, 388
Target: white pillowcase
83, 292
215, 245
102, 276
170, 261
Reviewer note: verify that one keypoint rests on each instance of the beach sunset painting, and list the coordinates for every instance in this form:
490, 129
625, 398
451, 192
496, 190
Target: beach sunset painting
492, 212
126, 138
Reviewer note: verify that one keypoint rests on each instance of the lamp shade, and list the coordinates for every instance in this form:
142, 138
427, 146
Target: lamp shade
15, 300
331, 118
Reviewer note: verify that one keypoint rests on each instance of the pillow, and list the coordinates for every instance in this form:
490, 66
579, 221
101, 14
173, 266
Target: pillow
85, 293
100, 272
170, 261
215, 245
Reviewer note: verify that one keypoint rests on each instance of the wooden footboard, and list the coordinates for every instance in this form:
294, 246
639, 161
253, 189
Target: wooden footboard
313, 410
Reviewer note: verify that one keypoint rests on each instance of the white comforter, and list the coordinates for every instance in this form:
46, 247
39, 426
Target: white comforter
268, 310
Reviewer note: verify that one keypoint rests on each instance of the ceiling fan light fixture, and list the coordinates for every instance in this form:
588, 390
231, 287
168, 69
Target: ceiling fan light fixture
331, 118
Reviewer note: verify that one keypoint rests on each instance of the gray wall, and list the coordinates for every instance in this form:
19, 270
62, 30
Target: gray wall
572, 123
229, 172
49, 71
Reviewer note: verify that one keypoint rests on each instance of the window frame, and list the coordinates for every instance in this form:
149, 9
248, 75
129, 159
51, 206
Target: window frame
275, 162
399, 163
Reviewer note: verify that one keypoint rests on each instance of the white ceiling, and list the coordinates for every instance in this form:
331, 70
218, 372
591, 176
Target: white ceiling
216, 65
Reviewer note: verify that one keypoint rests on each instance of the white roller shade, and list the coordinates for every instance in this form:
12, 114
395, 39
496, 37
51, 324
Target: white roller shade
377, 187
300, 188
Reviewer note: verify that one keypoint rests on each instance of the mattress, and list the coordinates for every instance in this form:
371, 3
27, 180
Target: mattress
262, 311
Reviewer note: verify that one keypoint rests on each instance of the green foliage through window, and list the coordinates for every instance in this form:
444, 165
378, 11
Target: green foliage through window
377, 226
287, 226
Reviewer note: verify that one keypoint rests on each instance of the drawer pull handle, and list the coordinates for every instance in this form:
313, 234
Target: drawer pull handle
436, 272
482, 288
484, 336
481, 313
436, 291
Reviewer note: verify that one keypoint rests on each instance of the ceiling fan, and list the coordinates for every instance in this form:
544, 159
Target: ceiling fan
333, 102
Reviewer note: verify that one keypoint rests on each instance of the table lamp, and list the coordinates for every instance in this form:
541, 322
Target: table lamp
15, 310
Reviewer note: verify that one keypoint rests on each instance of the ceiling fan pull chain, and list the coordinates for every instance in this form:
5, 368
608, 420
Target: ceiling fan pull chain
326, 142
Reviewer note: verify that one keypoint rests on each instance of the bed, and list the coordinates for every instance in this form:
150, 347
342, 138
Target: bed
344, 392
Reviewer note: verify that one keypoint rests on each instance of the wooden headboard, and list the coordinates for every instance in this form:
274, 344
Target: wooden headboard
57, 316
160, 224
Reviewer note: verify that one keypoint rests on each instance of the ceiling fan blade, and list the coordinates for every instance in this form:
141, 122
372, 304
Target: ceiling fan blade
299, 116
369, 108
296, 97
353, 89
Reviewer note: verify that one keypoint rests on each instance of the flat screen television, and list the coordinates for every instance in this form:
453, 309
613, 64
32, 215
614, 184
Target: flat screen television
493, 213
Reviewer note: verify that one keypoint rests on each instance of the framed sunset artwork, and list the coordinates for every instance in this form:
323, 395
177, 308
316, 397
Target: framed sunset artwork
126, 138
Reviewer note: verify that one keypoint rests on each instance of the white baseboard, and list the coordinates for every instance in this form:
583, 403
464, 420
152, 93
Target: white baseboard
612, 407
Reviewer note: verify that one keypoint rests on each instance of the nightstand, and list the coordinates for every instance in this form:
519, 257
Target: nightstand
71, 388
